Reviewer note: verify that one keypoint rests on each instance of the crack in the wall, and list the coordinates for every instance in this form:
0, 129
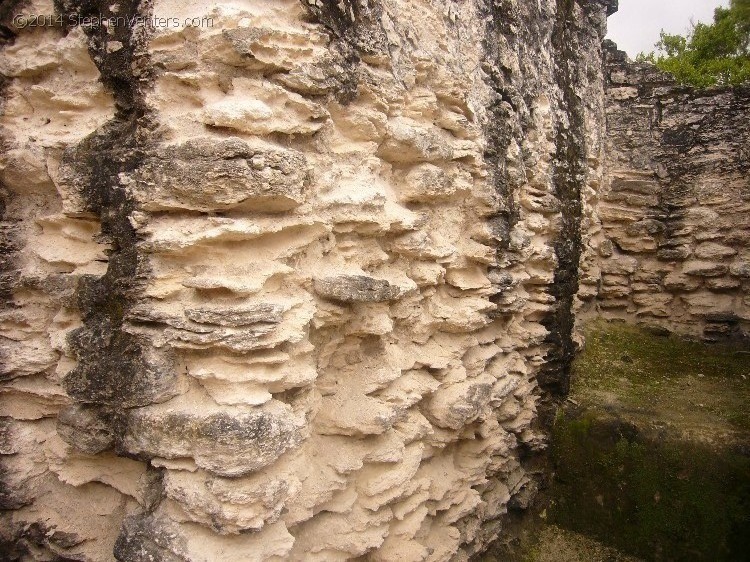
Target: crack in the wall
116, 369
569, 174
356, 30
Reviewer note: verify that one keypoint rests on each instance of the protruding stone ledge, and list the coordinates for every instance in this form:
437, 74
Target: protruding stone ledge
204, 174
237, 316
228, 441
704, 268
85, 429
355, 288
409, 141
120, 369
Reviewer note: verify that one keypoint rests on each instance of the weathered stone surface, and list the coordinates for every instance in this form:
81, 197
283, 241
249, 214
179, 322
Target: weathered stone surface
208, 174
228, 441
237, 316
229, 505
118, 369
674, 253
426, 182
740, 269
723, 283
712, 251
355, 288
316, 269
623, 265
459, 404
260, 108
86, 429
676, 281
704, 268
676, 197
410, 141
146, 538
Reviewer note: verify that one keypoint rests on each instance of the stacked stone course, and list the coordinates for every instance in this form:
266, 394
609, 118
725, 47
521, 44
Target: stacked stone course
675, 209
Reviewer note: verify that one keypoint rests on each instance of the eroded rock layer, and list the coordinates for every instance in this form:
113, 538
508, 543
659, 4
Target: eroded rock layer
675, 210
289, 280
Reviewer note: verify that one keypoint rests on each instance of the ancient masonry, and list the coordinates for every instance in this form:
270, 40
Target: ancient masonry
299, 280
675, 208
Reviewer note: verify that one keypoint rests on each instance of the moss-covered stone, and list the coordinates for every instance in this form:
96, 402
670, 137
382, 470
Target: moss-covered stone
652, 455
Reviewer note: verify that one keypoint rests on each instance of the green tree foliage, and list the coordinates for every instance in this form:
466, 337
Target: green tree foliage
711, 54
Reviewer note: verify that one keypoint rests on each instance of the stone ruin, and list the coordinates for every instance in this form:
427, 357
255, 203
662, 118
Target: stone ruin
302, 280
675, 212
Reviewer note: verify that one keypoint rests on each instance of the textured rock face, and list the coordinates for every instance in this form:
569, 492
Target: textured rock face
675, 210
295, 282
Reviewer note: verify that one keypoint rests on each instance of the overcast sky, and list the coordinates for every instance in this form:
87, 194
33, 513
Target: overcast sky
636, 25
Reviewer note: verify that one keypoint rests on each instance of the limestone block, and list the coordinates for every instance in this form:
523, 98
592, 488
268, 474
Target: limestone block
706, 302
26, 357
335, 536
623, 93
382, 483
25, 171
700, 216
620, 265
205, 174
56, 97
274, 370
410, 141
614, 291
713, 251
70, 242
253, 327
226, 440
156, 537
426, 182
423, 245
267, 47
740, 269
674, 253
360, 123
646, 287
228, 506
354, 413
119, 369
86, 429
456, 405
267, 313
723, 283
644, 186
615, 280
704, 268
606, 248
355, 288
676, 281
261, 108
652, 300
634, 244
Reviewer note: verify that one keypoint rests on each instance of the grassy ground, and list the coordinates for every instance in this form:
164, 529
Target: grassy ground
652, 453
699, 389
555, 544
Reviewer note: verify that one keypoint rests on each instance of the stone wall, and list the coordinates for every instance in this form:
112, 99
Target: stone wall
294, 282
675, 209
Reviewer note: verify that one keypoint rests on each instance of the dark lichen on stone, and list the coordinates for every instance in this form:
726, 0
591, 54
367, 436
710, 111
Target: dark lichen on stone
147, 538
